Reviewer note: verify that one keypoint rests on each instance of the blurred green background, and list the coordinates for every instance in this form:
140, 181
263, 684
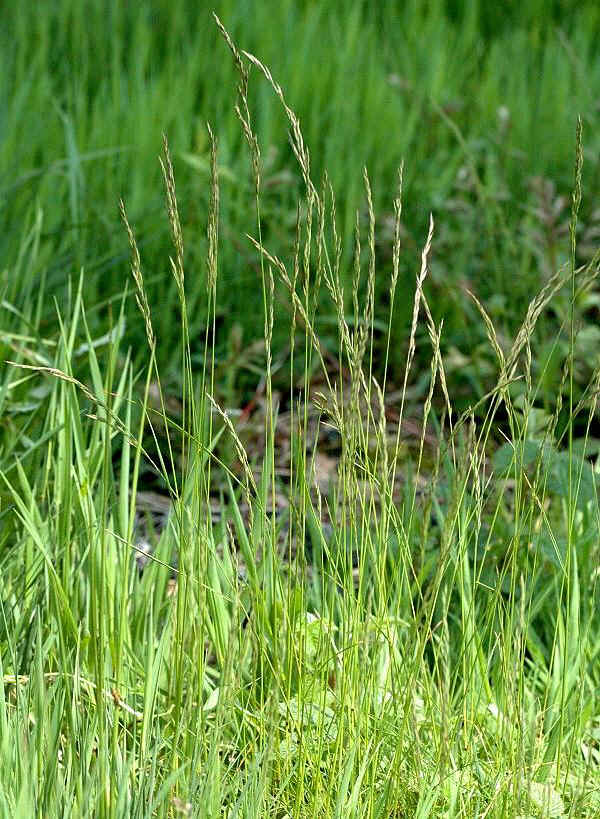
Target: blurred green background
478, 98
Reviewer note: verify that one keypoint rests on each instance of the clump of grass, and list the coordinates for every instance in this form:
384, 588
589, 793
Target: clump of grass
418, 640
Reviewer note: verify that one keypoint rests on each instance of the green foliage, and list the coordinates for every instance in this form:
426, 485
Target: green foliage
86, 93
413, 633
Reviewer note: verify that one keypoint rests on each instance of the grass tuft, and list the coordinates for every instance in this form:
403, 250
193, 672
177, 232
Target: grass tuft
412, 632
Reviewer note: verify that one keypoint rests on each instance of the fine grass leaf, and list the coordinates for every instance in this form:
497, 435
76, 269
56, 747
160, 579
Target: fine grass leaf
219, 620
31, 520
341, 803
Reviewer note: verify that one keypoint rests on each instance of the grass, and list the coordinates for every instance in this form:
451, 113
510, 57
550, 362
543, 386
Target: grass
432, 82
413, 634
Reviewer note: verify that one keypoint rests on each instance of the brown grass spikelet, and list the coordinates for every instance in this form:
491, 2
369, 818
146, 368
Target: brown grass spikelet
490, 329
241, 109
136, 271
173, 215
417, 301
435, 335
370, 306
213, 215
299, 148
397, 228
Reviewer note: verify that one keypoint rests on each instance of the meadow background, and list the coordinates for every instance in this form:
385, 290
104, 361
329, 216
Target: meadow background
480, 103
482, 557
